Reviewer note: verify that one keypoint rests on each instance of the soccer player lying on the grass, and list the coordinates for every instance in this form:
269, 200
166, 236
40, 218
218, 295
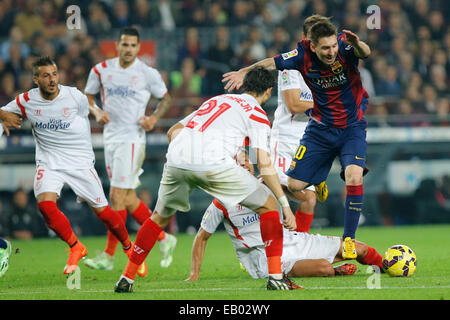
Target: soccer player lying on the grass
64, 155
304, 254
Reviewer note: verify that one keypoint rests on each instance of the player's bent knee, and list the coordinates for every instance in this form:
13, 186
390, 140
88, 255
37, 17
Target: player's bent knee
118, 197
325, 268
159, 220
295, 185
271, 204
310, 199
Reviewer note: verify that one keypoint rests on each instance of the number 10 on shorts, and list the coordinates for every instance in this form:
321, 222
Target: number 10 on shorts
300, 152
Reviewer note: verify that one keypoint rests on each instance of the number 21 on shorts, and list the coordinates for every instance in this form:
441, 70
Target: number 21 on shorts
300, 152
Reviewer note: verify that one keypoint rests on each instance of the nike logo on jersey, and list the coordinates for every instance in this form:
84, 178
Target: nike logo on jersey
358, 158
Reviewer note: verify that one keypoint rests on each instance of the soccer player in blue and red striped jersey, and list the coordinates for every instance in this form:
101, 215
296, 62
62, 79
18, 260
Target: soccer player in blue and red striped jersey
329, 64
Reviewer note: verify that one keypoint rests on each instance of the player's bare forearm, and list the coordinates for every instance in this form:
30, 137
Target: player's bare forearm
294, 104
268, 63
235, 79
198, 251
362, 50
101, 116
268, 172
91, 99
163, 106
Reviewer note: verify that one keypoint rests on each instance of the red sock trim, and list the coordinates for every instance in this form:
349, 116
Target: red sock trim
142, 213
57, 221
145, 240
304, 221
355, 190
272, 233
372, 258
114, 222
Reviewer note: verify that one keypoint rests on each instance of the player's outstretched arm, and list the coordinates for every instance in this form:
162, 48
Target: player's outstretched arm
270, 176
198, 251
9, 120
361, 49
235, 79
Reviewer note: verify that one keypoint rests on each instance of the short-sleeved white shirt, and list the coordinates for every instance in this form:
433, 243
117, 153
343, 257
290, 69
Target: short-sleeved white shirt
60, 127
125, 94
215, 133
287, 126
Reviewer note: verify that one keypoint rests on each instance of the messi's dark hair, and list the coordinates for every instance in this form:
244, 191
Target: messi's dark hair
40, 62
129, 31
322, 29
258, 80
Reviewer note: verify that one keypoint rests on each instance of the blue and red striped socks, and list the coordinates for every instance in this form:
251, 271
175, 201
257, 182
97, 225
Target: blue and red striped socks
353, 209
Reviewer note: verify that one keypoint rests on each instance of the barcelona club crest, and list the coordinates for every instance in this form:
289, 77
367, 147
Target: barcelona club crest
337, 67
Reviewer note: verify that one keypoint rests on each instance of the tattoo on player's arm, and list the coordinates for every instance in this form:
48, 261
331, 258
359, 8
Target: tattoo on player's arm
163, 106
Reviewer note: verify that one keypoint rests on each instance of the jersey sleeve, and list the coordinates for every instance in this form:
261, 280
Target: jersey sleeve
13, 107
81, 100
290, 60
212, 218
347, 51
293, 79
155, 83
93, 83
259, 130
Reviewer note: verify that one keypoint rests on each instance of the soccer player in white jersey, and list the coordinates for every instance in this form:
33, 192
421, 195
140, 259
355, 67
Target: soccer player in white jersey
64, 155
201, 154
126, 84
304, 254
294, 99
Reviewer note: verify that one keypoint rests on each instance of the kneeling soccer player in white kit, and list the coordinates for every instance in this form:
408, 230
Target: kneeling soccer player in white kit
201, 155
304, 254
64, 155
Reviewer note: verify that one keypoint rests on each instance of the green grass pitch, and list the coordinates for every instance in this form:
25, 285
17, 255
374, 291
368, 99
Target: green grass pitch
35, 272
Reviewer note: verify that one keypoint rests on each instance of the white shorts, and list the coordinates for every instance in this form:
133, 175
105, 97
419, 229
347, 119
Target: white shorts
230, 186
282, 154
85, 183
300, 246
124, 164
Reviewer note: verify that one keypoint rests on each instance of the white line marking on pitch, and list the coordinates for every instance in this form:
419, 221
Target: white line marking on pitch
223, 289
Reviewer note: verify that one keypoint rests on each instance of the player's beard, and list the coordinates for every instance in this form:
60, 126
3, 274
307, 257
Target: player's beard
48, 90
128, 59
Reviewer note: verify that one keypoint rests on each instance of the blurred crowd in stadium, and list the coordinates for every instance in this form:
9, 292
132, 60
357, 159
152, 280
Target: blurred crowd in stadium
407, 75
